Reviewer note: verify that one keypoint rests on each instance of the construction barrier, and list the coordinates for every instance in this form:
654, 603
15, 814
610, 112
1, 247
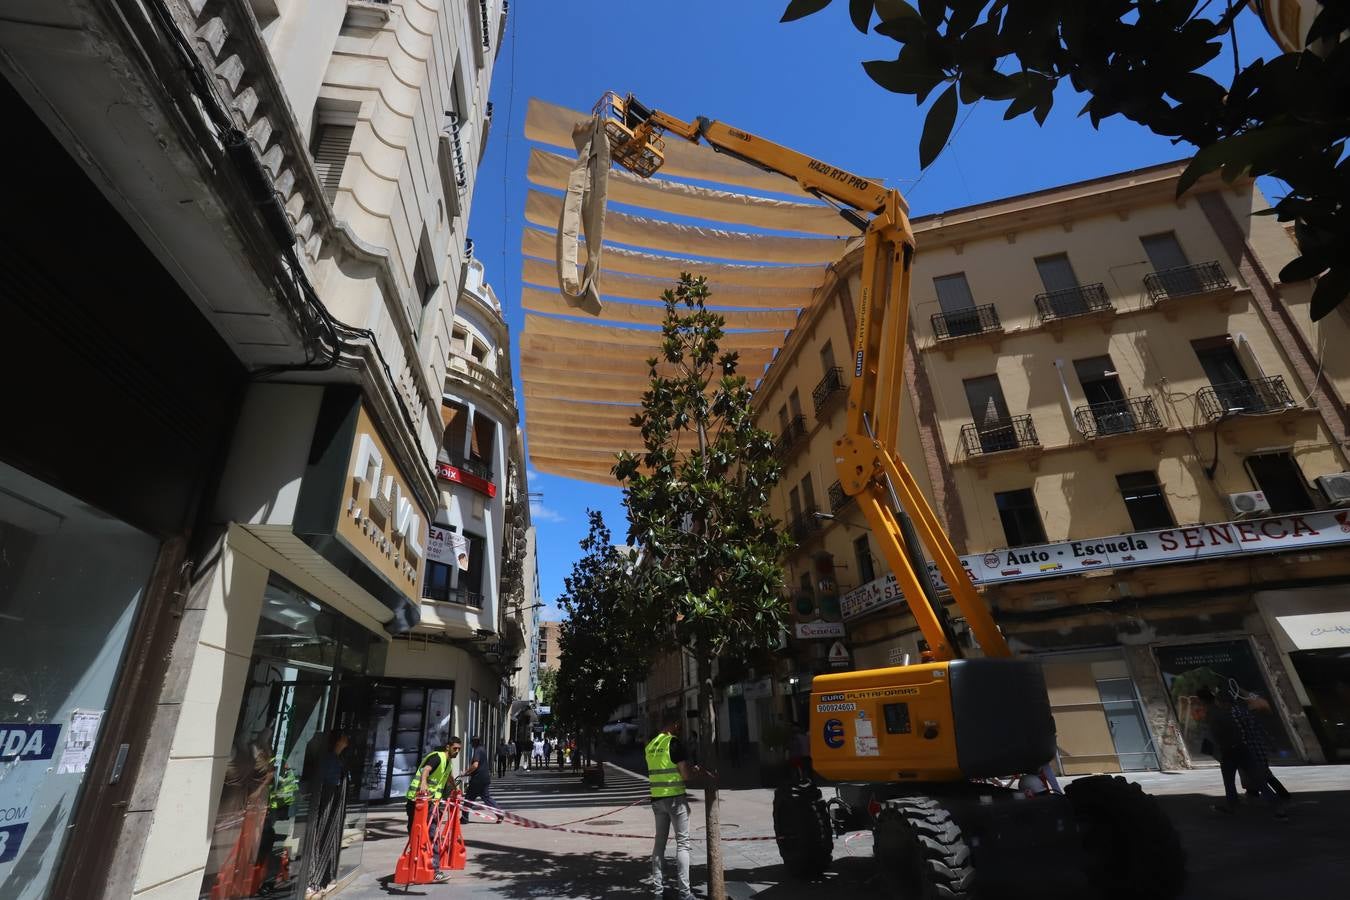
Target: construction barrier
482, 809
414, 866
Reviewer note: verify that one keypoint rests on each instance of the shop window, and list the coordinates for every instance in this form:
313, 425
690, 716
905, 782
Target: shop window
1021, 519
438, 581
862, 552
1145, 501
298, 757
71, 580
1278, 476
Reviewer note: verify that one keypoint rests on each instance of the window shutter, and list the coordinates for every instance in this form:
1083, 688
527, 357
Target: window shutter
330, 155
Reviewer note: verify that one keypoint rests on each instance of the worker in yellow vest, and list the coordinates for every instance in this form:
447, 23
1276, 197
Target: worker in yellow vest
668, 768
429, 783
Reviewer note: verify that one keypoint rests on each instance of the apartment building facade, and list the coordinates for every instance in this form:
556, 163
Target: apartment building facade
1135, 437
281, 191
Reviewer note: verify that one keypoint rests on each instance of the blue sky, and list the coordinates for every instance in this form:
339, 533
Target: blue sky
800, 84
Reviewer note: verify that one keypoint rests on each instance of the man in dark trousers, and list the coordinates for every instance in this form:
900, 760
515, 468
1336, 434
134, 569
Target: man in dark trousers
479, 774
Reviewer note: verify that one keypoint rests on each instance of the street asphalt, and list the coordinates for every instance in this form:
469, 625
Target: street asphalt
1246, 856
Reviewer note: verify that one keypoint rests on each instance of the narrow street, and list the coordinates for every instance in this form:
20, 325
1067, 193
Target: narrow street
1248, 856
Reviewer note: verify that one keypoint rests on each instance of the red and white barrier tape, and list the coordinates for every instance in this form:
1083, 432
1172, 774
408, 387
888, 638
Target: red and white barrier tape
493, 813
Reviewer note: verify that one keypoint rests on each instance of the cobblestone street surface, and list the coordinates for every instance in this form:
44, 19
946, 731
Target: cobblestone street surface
1247, 856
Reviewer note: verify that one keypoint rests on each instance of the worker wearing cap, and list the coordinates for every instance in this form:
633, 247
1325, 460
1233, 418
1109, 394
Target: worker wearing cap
668, 768
428, 783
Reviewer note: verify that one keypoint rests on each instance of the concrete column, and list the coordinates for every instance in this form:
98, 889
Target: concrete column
1157, 708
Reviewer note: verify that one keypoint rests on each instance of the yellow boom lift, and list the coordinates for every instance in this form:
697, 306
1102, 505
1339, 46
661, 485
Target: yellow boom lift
916, 752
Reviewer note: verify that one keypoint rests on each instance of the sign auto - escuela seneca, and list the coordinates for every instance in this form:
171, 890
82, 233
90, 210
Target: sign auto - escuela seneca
1140, 548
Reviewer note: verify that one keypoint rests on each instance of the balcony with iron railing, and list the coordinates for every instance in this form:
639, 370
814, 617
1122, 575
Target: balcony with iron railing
792, 437
1257, 395
1070, 303
466, 369
803, 526
829, 391
960, 323
838, 499
476, 467
1186, 281
1117, 417
1012, 433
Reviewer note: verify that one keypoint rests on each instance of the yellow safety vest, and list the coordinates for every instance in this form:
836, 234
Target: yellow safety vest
661, 769
436, 780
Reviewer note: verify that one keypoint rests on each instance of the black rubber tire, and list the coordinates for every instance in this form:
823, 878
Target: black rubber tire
921, 853
1132, 850
801, 826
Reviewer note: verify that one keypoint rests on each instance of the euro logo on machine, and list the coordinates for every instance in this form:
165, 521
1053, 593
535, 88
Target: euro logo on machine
834, 734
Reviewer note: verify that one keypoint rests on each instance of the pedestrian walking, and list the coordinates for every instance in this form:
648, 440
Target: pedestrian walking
429, 783
1260, 780
522, 747
503, 753
574, 751
537, 757
668, 768
560, 752
479, 773
548, 751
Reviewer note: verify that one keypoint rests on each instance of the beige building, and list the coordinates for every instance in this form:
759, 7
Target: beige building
550, 649
1132, 432
311, 556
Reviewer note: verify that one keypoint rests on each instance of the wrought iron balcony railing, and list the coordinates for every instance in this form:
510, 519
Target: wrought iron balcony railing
803, 526
1011, 433
1185, 281
471, 599
1082, 300
963, 322
829, 390
793, 436
1259, 395
838, 499
472, 466
1117, 417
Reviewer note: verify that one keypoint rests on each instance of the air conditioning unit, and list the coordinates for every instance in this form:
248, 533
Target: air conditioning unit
1248, 504
1336, 488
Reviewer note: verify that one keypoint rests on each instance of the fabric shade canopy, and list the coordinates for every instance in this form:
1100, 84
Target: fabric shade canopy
763, 245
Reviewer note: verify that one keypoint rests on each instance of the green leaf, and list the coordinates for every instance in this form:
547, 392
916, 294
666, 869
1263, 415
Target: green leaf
903, 75
1236, 153
937, 127
798, 9
1331, 290
933, 11
890, 10
860, 11
1302, 268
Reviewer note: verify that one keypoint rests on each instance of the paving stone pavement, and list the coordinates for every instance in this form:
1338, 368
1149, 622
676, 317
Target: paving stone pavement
1248, 856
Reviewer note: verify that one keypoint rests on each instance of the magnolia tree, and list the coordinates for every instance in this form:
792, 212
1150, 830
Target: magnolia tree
606, 639
1146, 60
697, 498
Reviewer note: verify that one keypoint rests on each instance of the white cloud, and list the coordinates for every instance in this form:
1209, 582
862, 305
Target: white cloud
541, 513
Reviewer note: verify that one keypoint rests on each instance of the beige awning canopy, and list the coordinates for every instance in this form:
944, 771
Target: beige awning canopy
763, 245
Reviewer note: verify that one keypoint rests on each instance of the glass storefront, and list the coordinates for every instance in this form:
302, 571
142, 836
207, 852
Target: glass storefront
408, 720
292, 814
71, 580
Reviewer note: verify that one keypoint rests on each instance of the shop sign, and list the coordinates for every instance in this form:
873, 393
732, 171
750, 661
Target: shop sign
1317, 631
820, 630
468, 479
25, 749
757, 690
381, 520
1141, 548
448, 547
838, 655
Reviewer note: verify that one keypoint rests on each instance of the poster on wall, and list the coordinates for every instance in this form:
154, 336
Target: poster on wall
448, 547
1226, 666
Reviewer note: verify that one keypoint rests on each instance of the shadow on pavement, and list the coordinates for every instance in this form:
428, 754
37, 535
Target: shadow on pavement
522, 872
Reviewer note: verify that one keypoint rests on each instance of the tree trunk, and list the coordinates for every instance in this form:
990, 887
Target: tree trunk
707, 723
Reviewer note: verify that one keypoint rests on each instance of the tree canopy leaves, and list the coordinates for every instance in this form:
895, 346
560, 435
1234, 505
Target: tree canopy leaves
1288, 117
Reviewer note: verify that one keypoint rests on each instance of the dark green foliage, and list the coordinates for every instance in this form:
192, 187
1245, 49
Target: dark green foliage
606, 639
697, 496
1288, 117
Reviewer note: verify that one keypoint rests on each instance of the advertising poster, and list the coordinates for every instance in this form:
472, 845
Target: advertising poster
1225, 666
448, 547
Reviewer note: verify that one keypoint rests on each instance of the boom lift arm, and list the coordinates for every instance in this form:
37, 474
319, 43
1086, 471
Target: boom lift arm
868, 466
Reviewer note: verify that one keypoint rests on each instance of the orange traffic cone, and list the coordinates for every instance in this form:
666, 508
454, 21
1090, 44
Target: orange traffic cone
414, 866
453, 853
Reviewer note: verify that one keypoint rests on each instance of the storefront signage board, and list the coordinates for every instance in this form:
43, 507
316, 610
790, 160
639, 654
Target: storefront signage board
1193, 543
820, 630
448, 547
